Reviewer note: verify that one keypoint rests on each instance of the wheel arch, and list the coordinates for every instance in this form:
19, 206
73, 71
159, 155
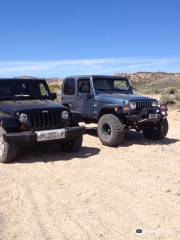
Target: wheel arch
116, 110
7, 121
69, 105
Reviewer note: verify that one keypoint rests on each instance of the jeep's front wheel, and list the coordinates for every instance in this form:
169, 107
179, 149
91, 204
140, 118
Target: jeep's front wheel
158, 131
8, 151
73, 145
110, 130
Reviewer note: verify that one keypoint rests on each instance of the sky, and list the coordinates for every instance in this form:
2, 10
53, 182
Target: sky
58, 38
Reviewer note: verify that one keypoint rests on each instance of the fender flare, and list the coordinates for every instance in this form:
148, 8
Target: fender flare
7, 121
111, 108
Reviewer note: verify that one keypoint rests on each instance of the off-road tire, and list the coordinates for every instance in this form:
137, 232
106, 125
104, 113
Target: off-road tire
73, 145
158, 131
110, 130
8, 151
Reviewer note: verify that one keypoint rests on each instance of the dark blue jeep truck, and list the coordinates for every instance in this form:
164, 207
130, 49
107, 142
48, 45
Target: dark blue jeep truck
29, 115
110, 102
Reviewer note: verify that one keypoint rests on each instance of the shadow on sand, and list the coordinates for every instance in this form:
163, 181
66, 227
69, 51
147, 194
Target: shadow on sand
133, 137
51, 153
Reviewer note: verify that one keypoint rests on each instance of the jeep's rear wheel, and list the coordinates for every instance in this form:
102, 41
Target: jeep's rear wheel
110, 130
8, 151
73, 145
158, 131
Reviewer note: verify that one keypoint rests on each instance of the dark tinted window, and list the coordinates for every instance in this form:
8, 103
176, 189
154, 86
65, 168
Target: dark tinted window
23, 89
83, 84
69, 86
110, 84
5, 89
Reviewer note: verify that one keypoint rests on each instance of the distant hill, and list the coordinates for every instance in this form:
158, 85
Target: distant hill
26, 77
153, 82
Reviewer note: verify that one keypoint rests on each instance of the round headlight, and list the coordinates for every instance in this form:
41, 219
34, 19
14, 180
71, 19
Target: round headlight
132, 105
155, 103
23, 118
65, 115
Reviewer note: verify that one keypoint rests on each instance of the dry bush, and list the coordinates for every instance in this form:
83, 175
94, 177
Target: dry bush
54, 87
168, 99
172, 90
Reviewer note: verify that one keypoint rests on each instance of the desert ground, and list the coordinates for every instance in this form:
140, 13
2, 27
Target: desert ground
98, 193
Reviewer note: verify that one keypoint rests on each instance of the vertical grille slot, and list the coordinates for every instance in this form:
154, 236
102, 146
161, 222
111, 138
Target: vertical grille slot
45, 120
143, 104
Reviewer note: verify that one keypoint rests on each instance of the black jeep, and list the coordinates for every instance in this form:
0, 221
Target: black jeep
110, 102
29, 115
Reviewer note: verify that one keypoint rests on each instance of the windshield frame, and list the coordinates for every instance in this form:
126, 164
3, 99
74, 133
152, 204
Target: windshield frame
12, 83
129, 90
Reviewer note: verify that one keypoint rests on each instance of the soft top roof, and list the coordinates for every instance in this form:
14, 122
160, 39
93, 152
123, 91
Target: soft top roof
96, 76
21, 79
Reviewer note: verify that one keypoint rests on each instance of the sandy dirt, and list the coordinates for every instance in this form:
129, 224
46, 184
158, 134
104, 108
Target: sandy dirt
98, 193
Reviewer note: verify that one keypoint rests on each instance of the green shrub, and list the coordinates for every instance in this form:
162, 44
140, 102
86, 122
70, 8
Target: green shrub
171, 90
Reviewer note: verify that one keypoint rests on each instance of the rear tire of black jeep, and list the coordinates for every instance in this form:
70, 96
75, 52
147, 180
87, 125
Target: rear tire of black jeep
158, 131
110, 130
8, 151
73, 145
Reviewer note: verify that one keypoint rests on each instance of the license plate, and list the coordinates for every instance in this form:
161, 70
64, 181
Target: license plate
153, 115
48, 135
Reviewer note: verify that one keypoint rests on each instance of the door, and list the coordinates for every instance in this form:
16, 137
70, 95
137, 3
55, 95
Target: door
84, 99
68, 94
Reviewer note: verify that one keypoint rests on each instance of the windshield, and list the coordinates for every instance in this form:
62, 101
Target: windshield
23, 89
110, 85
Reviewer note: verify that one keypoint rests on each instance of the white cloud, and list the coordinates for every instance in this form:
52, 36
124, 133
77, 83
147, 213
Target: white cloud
86, 66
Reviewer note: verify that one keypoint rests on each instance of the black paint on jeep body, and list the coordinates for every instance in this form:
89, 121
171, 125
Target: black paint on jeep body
27, 108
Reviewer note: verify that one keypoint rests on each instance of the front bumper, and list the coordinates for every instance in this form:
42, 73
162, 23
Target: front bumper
31, 137
143, 116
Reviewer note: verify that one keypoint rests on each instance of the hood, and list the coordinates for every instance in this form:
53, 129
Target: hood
9, 107
117, 98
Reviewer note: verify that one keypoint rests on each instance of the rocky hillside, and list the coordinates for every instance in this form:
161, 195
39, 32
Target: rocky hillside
153, 82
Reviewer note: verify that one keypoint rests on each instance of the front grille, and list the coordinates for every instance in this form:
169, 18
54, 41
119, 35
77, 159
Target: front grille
44, 120
143, 104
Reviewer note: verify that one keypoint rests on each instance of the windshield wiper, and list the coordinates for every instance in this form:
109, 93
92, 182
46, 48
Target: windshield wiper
21, 95
103, 90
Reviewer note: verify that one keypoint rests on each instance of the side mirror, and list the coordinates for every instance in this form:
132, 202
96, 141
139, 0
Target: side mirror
54, 95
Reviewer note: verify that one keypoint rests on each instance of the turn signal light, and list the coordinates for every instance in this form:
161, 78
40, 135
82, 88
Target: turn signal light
163, 108
126, 109
24, 127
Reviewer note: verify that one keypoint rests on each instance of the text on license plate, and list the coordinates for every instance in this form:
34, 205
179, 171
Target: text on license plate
48, 135
153, 115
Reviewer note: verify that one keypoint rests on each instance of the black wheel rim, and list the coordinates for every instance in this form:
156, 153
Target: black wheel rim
106, 130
